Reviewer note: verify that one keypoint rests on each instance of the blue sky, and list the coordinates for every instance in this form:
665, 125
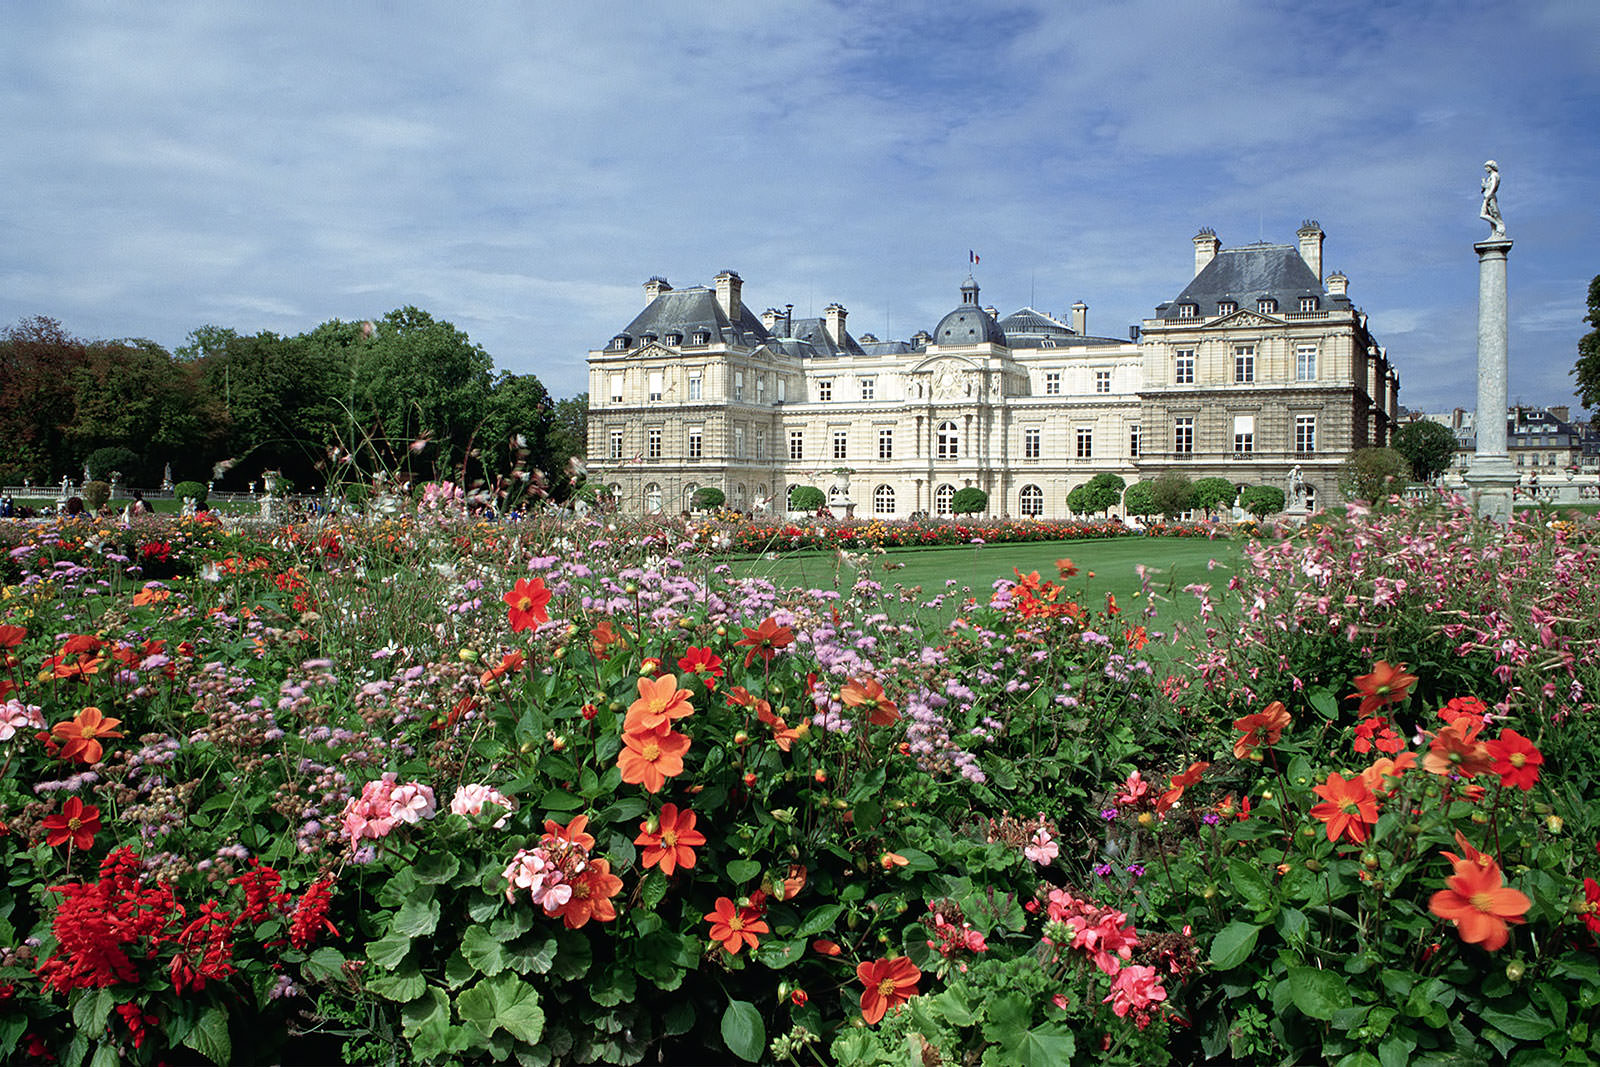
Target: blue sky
521, 169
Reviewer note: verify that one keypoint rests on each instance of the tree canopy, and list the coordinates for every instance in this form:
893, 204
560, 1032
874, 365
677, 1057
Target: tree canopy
1587, 369
1373, 475
1430, 448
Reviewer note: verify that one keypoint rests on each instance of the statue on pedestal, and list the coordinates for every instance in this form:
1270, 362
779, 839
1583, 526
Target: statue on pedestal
1490, 212
166, 479
1297, 489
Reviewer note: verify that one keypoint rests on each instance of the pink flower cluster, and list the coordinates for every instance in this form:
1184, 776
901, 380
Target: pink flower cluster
383, 804
1105, 935
952, 934
547, 872
1042, 849
15, 715
1134, 989
470, 799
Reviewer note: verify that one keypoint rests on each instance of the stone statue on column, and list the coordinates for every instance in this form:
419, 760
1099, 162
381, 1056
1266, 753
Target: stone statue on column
1491, 476
1490, 212
1297, 491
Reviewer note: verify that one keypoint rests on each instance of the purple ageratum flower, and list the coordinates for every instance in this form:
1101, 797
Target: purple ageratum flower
1109, 814
1103, 870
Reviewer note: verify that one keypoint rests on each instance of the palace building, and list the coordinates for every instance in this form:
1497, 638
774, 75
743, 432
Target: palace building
1259, 365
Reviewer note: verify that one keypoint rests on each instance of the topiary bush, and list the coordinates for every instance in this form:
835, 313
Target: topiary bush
95, 495
969, 501
707, 497
806, 498
1261, 500
103, 461
195, 491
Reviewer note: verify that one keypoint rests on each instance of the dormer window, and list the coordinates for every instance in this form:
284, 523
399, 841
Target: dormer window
674, 338
1188, 311
1267, 306
1226, 307
621, 342
1308, 303
702, 337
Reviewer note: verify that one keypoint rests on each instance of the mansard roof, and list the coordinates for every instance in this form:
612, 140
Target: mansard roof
1029, 324
689, 310
1245, 275
814, 332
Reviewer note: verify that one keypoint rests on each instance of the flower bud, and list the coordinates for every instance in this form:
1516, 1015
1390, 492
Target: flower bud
1553, 824
1515, 970
740, 737
467, 655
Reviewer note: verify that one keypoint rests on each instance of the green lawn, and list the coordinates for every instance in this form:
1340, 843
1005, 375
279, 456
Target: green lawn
1107, 566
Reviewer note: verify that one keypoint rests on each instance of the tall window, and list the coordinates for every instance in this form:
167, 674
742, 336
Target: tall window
738, 385
616, 388
1032, 439
696, 443
949, 443
652, 439
1305, 363
841, 444
738, 441
656, 385
616, 444
1244, 363
783, 388
825, 389
868, 387
944, 499
883, 500
1244, 434
1183, 435
1183, 367
797, 444
1133, 441
694, 386
1052, 383
1102, 381
652, 498
761, 389
761, 444
885, 444
1305, 433
1085, 442
1031, 501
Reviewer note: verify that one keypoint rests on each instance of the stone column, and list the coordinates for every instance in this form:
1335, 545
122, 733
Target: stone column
1491, 477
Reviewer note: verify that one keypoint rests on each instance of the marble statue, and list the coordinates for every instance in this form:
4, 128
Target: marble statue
1490, 212
1297, 489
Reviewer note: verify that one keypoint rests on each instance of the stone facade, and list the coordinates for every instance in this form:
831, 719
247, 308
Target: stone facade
699, 391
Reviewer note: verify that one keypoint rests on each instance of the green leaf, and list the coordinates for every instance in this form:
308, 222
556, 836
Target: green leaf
436, 868
403, 984
1395, 1050
1233, 945
502, 1003
1250, 883
820, 919
741, 871
743, 1031
387, 952
622, 810
485, 952
419, 916
209, 1036
105, 1056
1316, 992
652, 890
91, 1010
561, 800
430, 1009
953, 1006
1007, 1018
532, 952
1324, 702
325, 963
1525, 1024
1043, 1047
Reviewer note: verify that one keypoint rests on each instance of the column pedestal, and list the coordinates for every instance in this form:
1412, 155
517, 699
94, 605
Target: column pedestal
1491, 477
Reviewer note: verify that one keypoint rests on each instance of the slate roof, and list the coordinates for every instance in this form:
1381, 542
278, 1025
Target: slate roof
687, 310
814, 332
1245, 275
1030, 325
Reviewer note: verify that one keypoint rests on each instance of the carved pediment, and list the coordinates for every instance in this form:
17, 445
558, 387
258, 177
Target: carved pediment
1243, 320
654, 350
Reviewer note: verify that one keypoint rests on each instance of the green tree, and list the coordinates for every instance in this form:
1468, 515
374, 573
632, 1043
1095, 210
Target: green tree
1428, 446
969, 501
1213, 493
568, 443
806, 498
133, 394
707, 497
1172, 494
38, 360
510, 451
1077, 500
1261, 500
1373, 474
1587, 369
1140, 499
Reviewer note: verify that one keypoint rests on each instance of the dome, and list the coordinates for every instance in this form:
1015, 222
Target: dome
1029, 325
968, 324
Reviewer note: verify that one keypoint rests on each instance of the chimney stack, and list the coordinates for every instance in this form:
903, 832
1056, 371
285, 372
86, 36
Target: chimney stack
729, 294
1338, 284
1311, 236
1080, 319
654, 288
834, 318
1206, 247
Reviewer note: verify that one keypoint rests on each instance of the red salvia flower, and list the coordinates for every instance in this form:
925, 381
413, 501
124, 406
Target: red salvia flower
311, 914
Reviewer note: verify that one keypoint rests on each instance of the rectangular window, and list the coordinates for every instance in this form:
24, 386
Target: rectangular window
761, 444
616, 444
761, 389
1244, 363
797, 444
696, 439
868, 387
1052, 383
1102, 381
1133, 441
652, 443
738, 441
616, 388
1305, 363
1032, 441
1085, 442
656, 385
1183, 367
841, 441
885, 444
738, 385
1226, 307
1183, 436
783, 390
1308, 303
694, 387
1244, 434
1187, 311
1305, 433
825, 389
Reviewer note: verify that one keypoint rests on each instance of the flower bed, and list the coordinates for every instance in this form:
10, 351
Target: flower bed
436, 791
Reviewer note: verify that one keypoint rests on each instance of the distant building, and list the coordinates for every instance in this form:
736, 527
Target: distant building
1538, 440
1258, 365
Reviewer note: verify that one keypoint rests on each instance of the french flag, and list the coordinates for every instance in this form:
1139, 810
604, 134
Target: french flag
972, 257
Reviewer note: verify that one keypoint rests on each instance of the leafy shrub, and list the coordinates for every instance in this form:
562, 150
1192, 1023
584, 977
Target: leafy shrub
1172, 494
806, 498
196, 491
1140, 500
707, 498
1211, 494
103, 462
969, 500
1261, 500
1373, 475
95, 495
1428, 446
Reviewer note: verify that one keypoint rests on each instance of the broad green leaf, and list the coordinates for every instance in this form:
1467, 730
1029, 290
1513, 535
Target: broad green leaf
743, 1030
436, 868
387, 952
1250, 884
652, 890
1525, 1024
1233, 945
1316, 992
91, 1010
429, 1010
561, 800
417, 917
403, 984
1006, 1019
325, 963
1043, 1047
534, 952
519, 1010
485, 952
105, 1056
209, 1037
741, 871
820, 919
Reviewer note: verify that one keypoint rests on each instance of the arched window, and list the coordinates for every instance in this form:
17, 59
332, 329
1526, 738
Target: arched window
1032, 501
949, 444
943, 499
739, 494
883, 500
652, 499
